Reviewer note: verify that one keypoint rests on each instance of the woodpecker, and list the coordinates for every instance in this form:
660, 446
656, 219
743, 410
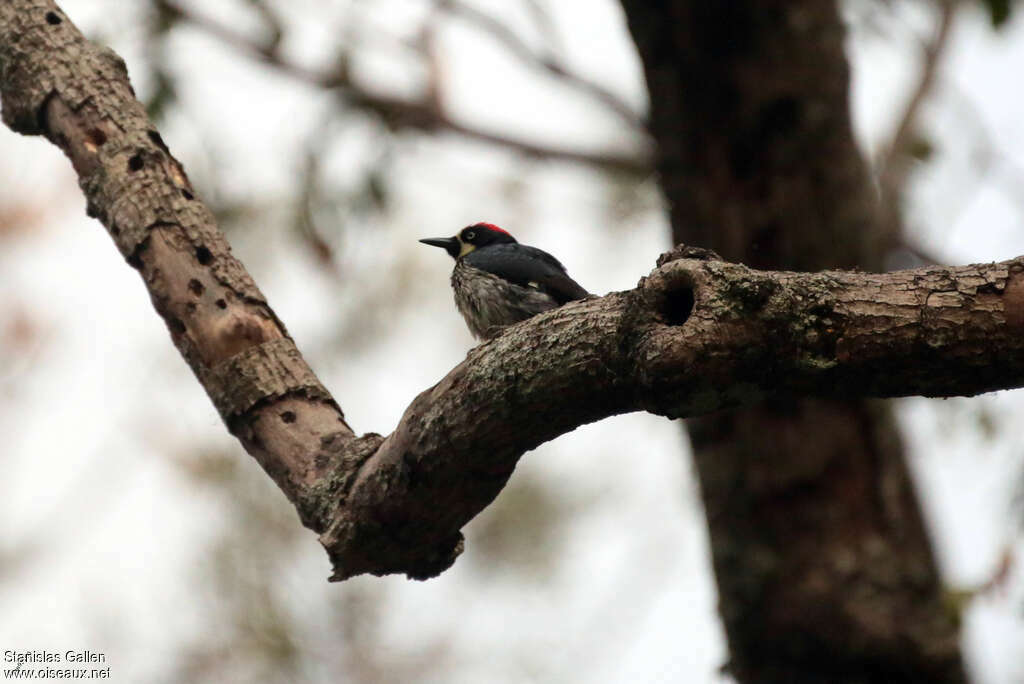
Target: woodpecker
498, 282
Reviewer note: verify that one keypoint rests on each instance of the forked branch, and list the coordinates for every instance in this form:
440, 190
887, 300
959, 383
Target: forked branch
696, 335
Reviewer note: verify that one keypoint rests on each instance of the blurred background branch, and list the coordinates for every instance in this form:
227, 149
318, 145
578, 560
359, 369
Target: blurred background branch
428, 113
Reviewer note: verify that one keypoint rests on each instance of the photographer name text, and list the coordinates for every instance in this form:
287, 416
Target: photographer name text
21, 657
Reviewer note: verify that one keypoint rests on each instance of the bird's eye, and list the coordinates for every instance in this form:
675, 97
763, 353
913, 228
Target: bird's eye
469, 235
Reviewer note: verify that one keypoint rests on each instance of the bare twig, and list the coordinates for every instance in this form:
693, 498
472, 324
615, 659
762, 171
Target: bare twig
518, 47
424, 114
892, 163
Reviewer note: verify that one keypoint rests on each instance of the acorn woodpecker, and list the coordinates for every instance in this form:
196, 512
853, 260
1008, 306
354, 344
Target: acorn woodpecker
498, 281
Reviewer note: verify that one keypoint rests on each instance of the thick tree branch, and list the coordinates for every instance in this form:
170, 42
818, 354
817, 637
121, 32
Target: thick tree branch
695, 336
750, 334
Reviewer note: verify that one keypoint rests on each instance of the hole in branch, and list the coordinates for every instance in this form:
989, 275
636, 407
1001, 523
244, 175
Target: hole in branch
176, 326
221, 304
288, 416
196, 287
186, 194
678, 304
135, 162
96, 137
52, 18
204, 255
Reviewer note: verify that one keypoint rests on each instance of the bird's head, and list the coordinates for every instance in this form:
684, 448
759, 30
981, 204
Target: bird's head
470, 238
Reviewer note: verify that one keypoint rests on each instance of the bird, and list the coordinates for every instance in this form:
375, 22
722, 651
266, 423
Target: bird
499, 282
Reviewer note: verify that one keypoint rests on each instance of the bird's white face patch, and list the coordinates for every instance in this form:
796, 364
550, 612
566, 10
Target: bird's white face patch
534, 285
465, 248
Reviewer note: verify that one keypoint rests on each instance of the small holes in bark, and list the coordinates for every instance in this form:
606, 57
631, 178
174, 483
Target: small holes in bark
186, 194
204, 255
678, 305
135, 162
176, 326
96, 137
52, 19
222, 304
288, 416
191, 307
195, 287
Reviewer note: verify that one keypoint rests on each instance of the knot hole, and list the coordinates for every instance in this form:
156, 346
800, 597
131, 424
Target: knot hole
678, 303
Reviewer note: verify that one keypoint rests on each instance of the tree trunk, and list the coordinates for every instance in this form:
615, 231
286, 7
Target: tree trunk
823, 565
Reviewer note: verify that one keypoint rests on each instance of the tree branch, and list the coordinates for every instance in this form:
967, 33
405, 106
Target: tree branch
695, 336
516, 46
893, 159
424, 114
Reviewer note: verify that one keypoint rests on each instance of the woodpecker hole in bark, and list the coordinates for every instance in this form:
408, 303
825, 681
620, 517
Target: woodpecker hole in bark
52, 18
203, 255
288, 416
678, 304
221, 304
96, 137
135, 162
196, 287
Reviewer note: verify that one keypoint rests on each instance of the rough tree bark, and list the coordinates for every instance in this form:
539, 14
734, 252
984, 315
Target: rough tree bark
823, 565
697, 335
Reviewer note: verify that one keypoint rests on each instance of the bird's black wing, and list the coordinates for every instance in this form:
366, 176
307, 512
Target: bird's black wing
529, 267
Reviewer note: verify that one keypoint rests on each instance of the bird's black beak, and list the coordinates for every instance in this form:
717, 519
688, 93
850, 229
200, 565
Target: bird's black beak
450, 245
